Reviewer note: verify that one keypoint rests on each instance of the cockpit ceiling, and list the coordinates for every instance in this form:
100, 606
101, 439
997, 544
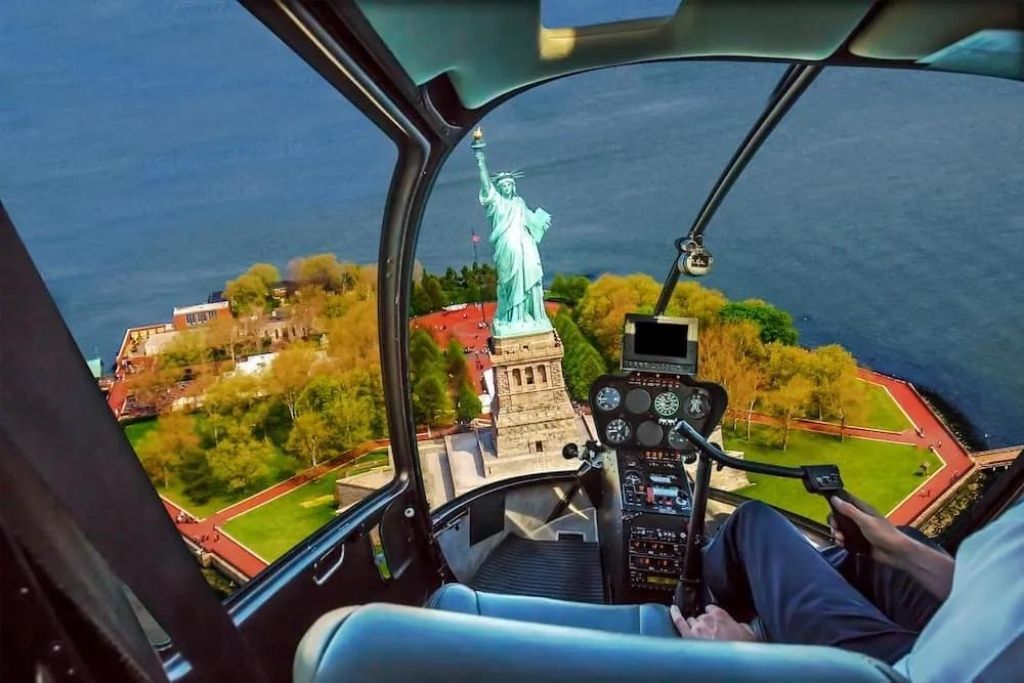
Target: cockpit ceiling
490, 48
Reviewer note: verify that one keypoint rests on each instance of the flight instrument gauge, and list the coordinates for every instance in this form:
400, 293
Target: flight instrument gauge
617, 432
633, 481
608, 398
697, 405
666, 404
677, 440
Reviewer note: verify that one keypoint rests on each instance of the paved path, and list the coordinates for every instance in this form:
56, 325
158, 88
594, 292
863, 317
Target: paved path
931, 432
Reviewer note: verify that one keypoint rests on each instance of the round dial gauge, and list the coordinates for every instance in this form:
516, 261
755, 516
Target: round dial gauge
677, 440
617, 432
696, 405
638, 401
649, 433
608, 398
633, 480
666, 404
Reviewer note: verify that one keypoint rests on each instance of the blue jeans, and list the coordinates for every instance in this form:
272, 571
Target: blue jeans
760, 565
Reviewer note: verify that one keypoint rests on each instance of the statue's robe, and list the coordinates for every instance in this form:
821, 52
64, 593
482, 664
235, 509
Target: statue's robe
515, 233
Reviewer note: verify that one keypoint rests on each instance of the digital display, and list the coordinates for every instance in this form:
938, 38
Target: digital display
659, 339
662, 580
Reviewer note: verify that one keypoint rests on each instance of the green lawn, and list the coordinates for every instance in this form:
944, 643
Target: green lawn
137, 430
273, 529
880, 473
281, 465
883, 413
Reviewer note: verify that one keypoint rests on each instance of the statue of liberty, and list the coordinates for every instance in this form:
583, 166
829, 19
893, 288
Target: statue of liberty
515, 233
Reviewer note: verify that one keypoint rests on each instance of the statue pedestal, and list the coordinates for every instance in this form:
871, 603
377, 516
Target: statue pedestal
532, 414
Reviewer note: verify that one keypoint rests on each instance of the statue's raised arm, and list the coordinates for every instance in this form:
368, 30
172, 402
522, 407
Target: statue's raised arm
478, 151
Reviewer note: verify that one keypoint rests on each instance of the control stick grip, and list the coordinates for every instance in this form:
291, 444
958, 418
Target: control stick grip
853, 538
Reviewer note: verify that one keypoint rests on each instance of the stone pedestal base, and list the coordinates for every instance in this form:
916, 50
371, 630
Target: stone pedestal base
532, 413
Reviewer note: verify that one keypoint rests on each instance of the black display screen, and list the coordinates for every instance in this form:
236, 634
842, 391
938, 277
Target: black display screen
654, 339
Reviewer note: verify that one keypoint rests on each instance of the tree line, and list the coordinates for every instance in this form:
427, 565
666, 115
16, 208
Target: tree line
320, 395
749, 347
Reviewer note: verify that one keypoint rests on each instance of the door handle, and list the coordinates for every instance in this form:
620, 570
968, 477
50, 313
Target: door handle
328, 563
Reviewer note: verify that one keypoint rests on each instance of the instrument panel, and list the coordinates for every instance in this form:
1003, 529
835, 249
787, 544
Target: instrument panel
638, 410
650, 499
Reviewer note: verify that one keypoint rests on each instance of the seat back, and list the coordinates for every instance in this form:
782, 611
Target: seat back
391, 643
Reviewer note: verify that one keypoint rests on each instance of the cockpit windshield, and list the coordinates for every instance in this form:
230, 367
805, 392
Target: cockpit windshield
830, 312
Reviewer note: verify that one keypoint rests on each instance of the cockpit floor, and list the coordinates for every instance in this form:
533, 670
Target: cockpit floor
564, 569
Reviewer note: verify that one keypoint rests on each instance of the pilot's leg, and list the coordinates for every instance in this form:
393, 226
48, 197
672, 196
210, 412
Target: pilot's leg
759, 564
891, 590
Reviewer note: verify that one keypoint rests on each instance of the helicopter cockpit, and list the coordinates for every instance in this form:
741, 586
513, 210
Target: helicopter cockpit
559, 562
622, 541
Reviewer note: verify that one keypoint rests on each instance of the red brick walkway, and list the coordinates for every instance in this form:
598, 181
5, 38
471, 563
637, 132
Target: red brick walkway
931, 433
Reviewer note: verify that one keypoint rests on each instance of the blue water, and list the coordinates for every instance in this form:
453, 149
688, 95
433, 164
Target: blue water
150, 151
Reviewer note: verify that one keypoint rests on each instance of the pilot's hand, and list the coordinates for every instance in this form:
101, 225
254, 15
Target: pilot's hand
887, 542
714, 624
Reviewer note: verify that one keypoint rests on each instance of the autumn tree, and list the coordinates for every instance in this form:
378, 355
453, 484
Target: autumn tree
322, 270
352, 339
150, 385
747, 389
837, 393
308, 437
732, 355
786, 401
351, 419
228, 402
222, 335
247, 294
266, 272
162, 450
690, 299
240, 460
188, 347
603, 309
290, 373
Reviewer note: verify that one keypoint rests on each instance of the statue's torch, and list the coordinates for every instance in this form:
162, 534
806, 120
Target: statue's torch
478, 139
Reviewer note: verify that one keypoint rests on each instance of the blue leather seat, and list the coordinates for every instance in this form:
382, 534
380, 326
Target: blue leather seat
644, 620
394, 644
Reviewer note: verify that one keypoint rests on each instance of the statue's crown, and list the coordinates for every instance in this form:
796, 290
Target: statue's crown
510, 175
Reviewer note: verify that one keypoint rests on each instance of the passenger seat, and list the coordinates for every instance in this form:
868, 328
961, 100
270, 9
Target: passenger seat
395, 644
644, 620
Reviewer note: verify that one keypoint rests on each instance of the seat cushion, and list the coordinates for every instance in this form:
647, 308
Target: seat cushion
648, 619
396, 644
